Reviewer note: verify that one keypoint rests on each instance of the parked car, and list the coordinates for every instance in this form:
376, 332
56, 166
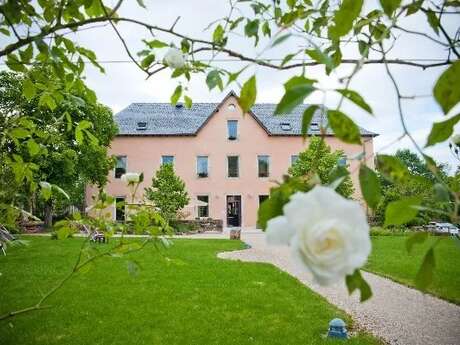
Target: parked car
442, 228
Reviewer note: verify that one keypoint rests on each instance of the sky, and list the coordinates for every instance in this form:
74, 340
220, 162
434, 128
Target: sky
124, 83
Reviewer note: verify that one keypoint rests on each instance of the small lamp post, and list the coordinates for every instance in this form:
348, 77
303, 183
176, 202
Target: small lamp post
337, 329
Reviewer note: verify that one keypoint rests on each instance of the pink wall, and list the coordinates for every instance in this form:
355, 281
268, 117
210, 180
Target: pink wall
144, 155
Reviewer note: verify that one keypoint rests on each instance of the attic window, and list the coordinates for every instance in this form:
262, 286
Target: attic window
141, 126
286, 126
231, 107
314, 125
179, 105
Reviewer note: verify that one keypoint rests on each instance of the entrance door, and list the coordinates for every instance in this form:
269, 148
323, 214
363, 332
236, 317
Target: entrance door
233, 210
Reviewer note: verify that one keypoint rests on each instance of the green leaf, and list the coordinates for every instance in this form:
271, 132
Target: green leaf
344, 18
280, 40
441, 131
156, 44
356, 281
147, 61
47, 101
33, 147
176, 95
248, 94
19, 133
27, 54
45, 190
286, 59
307, 117
424, 276
355, 98
188, 102
433, 20
218, 34
441, 192
251, 29
446, 91
417, 238
320, 57
14, 64
28, 89
402, 211
392, 168
141, 3
296, 90
370, 186
344, 127
389, 6
266, 29
214, 79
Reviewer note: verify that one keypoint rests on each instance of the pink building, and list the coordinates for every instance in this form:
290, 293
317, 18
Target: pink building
228, 160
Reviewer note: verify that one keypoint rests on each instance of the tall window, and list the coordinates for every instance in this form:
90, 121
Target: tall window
120, 166
232, 127
233, 166
202, 166
120, 209
342, 162
263, 163
203, 210
167, 160
294, 159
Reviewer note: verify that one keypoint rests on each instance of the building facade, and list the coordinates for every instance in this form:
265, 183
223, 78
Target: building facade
227, 159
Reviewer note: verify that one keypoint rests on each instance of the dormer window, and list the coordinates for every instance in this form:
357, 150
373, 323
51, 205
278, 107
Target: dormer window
231, 107
286, 126
314, 126
141, 126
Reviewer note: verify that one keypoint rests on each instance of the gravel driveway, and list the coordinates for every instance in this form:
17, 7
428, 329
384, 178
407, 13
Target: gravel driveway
397, 314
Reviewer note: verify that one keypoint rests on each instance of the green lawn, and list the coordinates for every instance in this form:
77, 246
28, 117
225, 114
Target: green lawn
185, 295
389, 258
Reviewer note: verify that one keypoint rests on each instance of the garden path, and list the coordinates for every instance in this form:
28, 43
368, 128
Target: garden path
396, 313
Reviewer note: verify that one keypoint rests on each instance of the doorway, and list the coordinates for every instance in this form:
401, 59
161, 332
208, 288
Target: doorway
233, 210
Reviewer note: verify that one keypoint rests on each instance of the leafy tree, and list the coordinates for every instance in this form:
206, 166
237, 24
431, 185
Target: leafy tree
58, 156
418, 185
319, 159
167, 192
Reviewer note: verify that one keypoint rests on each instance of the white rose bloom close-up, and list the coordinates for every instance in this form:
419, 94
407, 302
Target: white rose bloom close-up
174, 58
327, 233
130, 178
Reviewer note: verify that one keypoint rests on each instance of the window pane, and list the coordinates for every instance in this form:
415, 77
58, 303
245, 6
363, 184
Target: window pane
203, 211
167, 159
202, 166
120, 209
232, 126
233, 166
294, 159
120, 166
263, 162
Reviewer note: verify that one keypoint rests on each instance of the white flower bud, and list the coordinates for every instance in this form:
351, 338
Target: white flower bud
130, 178
174, 58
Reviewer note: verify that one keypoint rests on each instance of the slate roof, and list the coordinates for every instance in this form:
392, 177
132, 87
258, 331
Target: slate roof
164, 119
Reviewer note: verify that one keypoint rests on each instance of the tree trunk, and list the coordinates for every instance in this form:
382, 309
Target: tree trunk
48, 214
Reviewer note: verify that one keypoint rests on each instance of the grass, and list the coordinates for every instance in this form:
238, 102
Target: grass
389, 258
183, 295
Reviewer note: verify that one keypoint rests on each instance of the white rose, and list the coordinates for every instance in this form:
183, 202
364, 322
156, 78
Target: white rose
130, 178
456, 139
327, 233
174, 58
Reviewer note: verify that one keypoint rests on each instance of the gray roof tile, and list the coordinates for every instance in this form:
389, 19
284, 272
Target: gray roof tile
166, 119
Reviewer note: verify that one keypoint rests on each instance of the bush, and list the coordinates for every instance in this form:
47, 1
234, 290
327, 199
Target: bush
393, 231
183, 226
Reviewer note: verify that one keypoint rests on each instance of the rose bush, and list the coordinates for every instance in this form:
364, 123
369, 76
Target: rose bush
328, 233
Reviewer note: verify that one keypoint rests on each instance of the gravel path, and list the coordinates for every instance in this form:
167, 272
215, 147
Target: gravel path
397, 314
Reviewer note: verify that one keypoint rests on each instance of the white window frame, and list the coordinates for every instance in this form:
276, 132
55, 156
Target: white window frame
173, 162
115, 168
209, 202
